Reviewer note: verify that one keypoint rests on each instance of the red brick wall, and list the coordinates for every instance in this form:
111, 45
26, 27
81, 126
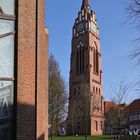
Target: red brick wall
31, 126
42, 69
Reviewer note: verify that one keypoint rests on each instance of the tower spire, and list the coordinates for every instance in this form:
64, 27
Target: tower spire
85, 3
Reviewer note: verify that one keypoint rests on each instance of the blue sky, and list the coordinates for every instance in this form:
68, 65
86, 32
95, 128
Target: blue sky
117, 38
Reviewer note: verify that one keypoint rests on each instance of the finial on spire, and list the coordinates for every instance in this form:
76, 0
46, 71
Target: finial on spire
85, 3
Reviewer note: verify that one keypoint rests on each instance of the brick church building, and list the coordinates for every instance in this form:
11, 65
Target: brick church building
86, 70
23, 70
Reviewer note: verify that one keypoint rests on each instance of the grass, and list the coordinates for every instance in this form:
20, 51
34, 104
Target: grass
82, 138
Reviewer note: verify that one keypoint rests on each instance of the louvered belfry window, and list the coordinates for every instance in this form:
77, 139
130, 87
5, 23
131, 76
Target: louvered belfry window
7, 44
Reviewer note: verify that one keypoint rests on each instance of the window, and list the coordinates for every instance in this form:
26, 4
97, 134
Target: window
96, 90
101, 126
99, 91
80, 58
95, 59
80, 17
93, 90
131, 118
139, 116
7, 37
96, 125
136, 117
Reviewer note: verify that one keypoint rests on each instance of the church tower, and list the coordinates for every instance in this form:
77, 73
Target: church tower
86, 71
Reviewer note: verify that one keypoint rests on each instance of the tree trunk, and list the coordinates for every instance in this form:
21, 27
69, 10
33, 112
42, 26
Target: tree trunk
85, 125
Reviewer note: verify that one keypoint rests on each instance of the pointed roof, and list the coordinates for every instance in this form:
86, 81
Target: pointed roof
108, 105
134, 107
85, 3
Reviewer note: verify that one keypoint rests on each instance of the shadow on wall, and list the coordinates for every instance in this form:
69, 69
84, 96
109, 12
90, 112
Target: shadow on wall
26, 126
25, 123
41, 137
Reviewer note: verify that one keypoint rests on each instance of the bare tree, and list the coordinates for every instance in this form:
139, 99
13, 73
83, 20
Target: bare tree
133, 11
118, 96
83, 104
86, 105
72, 120
57, 96
111, 119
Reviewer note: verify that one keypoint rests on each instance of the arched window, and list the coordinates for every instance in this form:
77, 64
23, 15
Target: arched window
96, 90
80, 58
93, 90
96, 125
101, 125
95, 58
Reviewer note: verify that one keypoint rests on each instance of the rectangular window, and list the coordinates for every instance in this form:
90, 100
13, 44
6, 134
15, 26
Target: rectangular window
80, 17
131, 117
93, 90
136, 117
7, 44
139, 116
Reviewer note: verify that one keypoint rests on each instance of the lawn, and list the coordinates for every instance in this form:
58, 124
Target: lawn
82, 138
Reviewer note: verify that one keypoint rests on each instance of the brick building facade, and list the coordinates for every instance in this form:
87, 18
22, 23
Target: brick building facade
130, 118
23, 70
133, 113
86, 71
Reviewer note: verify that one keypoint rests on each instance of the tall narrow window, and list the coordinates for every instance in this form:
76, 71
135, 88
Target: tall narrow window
77, 59
96, 125
101, 125
96, 90
101, 104
97, 62
93, 90
83, 59
80, 58
7, 37
95, 59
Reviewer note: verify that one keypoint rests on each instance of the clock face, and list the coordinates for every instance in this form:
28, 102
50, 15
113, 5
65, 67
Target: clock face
94, 27
80, 27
